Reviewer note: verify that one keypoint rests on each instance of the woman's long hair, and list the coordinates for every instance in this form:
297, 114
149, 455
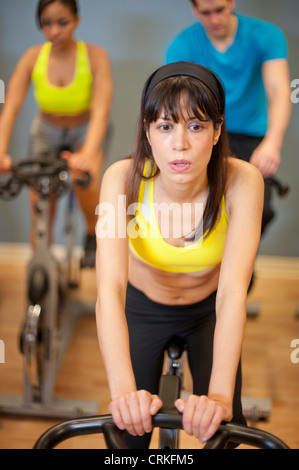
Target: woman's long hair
201, 103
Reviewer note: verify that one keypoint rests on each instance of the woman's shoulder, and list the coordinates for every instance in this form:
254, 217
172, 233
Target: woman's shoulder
116, 174
96, 52
242, 173
98, 57
94, 48
29, 57
244, 181
32, 53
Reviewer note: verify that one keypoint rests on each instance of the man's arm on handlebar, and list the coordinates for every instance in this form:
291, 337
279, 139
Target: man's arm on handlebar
276, 79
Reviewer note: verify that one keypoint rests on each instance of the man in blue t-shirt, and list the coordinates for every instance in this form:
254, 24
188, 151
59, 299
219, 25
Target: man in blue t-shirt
250, 57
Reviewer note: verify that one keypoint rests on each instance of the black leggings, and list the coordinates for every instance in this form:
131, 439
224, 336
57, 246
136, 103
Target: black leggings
152, 324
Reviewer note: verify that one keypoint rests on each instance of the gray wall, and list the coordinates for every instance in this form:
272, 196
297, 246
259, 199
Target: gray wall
135, 34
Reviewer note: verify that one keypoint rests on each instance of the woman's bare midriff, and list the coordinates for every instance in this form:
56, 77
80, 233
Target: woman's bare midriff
172, 288
66, 121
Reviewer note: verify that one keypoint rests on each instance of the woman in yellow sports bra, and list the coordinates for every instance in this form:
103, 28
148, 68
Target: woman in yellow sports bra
73, 88
178, 231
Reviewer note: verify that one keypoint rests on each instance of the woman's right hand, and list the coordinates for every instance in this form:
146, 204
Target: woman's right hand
5, 163
133, 411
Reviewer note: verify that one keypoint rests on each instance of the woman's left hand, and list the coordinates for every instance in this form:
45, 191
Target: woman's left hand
77, 161
202, 415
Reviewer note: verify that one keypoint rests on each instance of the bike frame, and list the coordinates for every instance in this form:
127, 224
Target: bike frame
51, 312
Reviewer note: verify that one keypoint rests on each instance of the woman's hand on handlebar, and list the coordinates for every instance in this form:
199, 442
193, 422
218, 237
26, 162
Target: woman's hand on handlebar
133, 411
77, 161
5, 163
202, 415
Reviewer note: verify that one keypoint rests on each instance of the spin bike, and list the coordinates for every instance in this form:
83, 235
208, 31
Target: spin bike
51, 312
168, 420
281, 189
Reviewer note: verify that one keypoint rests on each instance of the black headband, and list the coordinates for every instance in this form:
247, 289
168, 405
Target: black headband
189, 69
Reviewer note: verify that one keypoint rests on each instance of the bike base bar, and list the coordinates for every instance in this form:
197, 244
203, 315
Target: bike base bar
114, 438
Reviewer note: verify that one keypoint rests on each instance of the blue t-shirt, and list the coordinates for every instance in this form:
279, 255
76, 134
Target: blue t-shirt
239, 68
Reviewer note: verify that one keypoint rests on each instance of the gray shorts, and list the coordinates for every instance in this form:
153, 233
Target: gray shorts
47, 140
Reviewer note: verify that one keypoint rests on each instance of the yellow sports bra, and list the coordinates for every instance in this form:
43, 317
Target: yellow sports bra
70, 100
147, 243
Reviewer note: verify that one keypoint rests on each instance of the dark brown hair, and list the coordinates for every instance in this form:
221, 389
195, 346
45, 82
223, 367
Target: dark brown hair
201, 103
42, 4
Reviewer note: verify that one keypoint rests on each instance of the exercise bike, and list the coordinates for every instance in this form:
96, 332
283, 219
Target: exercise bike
168, 420
51, 311
282, 190
171, 388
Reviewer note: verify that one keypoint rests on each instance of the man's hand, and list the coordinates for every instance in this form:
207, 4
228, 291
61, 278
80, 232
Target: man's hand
266, 157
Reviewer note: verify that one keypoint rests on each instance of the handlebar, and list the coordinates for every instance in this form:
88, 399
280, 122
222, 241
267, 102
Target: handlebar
50, 178
282, 188
114, 438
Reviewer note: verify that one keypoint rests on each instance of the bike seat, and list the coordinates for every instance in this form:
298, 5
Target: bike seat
175, 347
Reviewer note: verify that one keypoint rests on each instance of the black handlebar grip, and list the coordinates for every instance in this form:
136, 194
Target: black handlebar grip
84, 180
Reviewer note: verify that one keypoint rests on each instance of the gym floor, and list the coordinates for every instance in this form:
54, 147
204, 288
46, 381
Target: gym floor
268, 369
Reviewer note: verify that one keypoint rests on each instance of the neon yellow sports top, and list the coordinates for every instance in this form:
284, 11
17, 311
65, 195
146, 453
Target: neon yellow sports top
67, 100
150, 247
